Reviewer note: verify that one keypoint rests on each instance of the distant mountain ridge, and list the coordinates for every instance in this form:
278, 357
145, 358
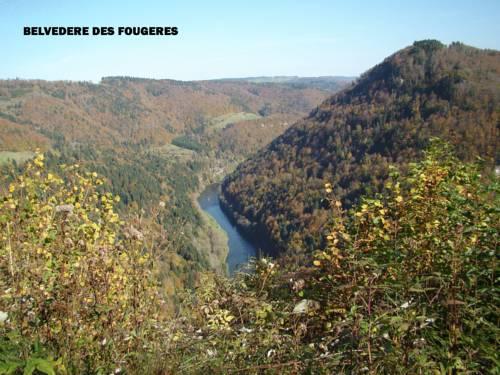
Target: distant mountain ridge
129, 109
329, 83
386, 117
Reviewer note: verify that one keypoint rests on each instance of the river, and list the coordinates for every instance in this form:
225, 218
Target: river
240, 250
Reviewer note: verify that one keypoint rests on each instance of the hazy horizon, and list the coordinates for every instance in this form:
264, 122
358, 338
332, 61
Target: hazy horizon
173, 79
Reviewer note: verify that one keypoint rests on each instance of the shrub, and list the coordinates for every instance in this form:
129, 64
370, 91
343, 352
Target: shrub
187, 142
74, 278
408, 279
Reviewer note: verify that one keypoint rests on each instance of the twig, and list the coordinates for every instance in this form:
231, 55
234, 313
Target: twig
11, 261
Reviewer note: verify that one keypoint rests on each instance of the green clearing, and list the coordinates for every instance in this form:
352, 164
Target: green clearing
172, 151
220, 122
18, 156
211, 240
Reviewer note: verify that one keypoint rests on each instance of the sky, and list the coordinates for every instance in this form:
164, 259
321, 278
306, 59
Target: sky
231, 38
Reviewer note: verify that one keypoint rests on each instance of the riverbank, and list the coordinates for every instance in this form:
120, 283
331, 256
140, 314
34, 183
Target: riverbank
218, 238
240, 249
210, 239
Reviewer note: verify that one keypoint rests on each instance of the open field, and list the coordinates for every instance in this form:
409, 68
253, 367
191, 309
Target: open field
18, 156
171, 151
220, 122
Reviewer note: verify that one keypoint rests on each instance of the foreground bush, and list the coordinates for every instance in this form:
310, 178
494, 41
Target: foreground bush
408, 285
77, 287
410, 279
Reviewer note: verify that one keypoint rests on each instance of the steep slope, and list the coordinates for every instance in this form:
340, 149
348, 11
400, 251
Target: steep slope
387, 117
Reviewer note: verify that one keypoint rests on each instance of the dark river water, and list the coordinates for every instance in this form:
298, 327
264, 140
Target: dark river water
240, 250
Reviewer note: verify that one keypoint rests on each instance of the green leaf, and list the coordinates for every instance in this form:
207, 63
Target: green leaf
43, 365
9, 367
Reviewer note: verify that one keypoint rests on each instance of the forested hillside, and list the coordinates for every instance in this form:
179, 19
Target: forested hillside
122, 110
351, 139
154, 142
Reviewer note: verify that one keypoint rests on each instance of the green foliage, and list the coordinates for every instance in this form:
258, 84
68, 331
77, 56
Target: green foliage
406, 284
18, 157
428, 45
185, 141
13, 360
75, 279
143, 180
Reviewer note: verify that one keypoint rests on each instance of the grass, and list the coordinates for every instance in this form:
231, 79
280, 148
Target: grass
171, 151
18, 156
211, 239
220, 122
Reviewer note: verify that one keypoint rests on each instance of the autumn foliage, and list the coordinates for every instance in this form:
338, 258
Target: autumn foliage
74, 278
386, 118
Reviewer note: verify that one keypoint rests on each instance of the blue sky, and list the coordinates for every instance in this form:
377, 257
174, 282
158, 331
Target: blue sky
230, 38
